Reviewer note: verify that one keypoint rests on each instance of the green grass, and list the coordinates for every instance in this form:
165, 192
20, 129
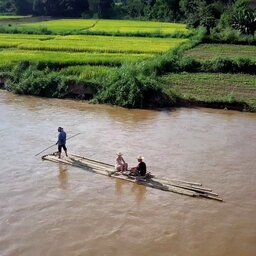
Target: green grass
132, 26
11, 56
62, 25
85, 72
81, 43
109, 26
209, 88
9, 17
212, 51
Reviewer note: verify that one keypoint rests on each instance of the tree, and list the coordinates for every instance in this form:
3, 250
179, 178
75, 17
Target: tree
72, 8
135, 8
244, 20
160, 11
105, 8
45, 7
201, 13
23, 7
174, 9
7, 6
67, 8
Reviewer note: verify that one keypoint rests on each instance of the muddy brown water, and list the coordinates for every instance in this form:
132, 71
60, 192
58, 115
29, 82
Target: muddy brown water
53, 209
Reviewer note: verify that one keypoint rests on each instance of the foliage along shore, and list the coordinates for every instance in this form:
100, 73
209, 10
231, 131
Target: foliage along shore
87, 91
136, 85
143, 83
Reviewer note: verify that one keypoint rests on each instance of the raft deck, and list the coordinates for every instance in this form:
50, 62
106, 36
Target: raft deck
170, 185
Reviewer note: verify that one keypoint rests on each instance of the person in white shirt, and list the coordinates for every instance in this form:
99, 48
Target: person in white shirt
121, 165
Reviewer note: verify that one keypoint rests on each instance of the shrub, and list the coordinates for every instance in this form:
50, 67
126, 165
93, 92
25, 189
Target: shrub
128, 87
26, 78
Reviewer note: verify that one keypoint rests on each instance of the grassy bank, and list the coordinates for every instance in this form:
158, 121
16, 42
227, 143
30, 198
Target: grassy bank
12, 17
213, 89
60, 59
129, 71
78, 43
211, 51
99, 27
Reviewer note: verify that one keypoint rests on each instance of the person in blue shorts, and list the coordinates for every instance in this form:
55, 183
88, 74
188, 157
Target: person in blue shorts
61, 141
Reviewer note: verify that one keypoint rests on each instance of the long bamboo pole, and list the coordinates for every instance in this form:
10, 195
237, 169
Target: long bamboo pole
55, 144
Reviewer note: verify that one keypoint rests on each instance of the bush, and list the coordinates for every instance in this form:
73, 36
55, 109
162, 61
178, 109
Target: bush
229, 36
229, 66
128, 87
26, 78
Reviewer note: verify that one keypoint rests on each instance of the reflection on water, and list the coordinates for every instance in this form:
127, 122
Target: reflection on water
69, 211
63, 176
121, 187
139, 191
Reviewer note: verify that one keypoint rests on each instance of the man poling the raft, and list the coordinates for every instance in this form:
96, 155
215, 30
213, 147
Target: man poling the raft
57, 143
61, 141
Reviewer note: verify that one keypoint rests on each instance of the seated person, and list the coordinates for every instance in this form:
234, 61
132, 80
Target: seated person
140, 169
121, 165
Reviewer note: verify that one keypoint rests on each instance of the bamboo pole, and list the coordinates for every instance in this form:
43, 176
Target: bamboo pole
187, 188
56, 144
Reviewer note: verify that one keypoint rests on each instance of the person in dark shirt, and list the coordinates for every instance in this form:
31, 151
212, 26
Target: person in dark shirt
61, 141
141, 168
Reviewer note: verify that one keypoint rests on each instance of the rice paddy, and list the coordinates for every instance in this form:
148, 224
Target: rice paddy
211, 51
81, 49
84, 57
80, 43
62, 25
126, 26
207, 87
86, 72
11, 56
108, 26
8, 17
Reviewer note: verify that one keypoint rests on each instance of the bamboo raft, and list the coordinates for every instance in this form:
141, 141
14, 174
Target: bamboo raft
192, 189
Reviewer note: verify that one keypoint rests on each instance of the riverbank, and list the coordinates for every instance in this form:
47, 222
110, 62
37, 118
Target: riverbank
128, 71
86, 92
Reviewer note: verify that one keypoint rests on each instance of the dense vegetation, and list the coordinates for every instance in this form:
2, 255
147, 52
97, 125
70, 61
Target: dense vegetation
132, 63
239, 14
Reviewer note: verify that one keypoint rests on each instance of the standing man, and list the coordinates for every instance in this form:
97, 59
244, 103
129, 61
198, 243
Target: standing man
61, 141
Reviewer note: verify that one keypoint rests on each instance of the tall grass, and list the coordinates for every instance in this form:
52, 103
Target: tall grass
61, 25
126, 28
9, 56
11, 17
236, 89
132, 26
90, 43
212, 51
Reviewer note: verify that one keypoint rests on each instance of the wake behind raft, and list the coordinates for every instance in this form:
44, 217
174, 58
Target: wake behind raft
192, 189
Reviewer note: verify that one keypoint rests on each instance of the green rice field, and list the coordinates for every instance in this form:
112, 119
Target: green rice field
81, 49
11, 56
110, 26
7, 17
208, 87
126, 26
61, 25
85, 72
80, 43
212, 51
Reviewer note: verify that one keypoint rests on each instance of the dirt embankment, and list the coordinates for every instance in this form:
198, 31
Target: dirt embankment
86, 92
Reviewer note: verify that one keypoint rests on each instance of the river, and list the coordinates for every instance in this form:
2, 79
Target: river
53, 209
